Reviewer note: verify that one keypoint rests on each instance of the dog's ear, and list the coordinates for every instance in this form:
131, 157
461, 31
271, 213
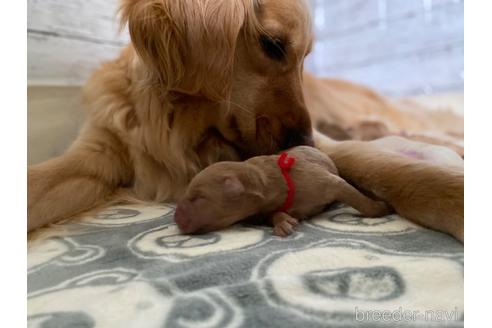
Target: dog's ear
190, 44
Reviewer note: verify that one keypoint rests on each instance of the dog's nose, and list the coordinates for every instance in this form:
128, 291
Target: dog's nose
295, 138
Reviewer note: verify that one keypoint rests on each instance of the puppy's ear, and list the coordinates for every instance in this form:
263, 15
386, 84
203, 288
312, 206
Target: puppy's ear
189, 44
233, 187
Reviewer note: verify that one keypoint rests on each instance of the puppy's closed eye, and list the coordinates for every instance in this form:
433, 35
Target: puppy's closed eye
273, 47
195, 198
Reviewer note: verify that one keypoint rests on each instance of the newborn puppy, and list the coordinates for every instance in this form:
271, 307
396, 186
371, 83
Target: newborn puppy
227, 192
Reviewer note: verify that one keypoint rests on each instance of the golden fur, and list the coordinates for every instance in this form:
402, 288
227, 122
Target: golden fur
427, 193
196, 86
343, 110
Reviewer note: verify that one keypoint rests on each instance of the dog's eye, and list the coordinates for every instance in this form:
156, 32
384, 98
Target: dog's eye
273, 48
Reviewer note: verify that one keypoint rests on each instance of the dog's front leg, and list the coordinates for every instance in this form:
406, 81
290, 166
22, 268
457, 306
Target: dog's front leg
84, 177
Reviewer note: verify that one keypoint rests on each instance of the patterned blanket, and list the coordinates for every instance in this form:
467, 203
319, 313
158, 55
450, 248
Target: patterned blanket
130, 267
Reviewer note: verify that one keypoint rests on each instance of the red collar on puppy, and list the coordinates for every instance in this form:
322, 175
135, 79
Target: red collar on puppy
285, 163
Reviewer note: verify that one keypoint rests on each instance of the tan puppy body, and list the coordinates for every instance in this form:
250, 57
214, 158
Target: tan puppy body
227, 192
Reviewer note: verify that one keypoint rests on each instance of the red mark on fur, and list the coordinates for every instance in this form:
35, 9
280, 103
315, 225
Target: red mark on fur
285, 163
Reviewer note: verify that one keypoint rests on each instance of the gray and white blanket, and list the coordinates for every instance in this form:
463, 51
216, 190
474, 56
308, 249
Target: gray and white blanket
130, 267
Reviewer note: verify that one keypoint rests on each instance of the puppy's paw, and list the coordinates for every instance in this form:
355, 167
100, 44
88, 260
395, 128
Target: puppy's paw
285, 228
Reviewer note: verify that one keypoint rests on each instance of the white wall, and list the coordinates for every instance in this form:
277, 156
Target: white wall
68, 39
396, 46
399, 47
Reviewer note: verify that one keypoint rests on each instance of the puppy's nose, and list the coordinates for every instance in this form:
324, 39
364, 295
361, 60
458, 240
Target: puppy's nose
295, 138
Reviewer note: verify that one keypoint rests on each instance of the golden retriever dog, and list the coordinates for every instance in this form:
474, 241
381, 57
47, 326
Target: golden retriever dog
202, 81
344, 110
